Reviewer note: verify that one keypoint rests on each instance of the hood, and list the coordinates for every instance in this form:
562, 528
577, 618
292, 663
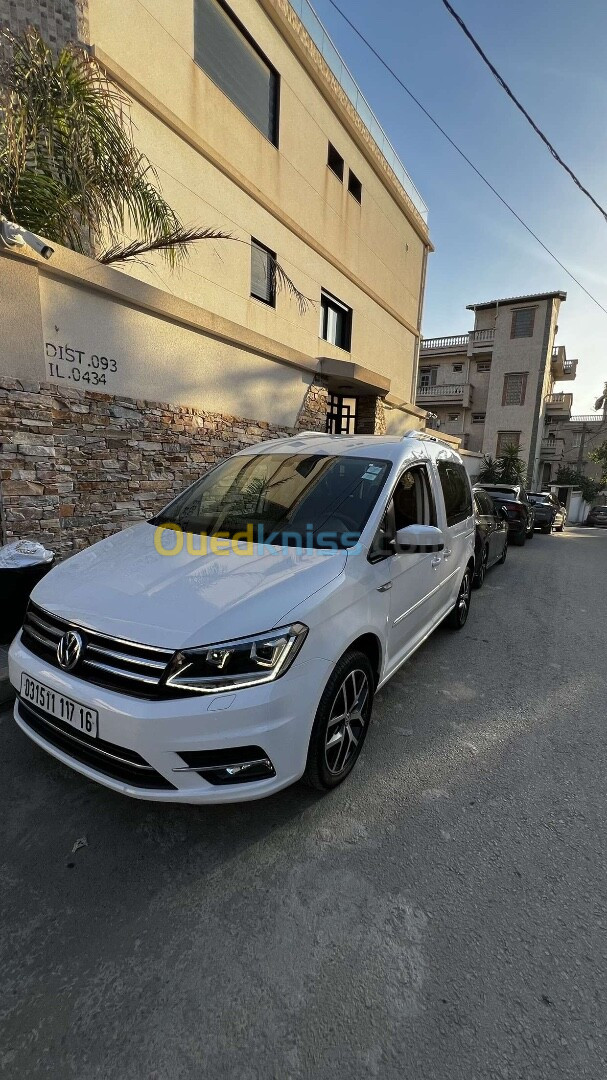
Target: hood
125, 588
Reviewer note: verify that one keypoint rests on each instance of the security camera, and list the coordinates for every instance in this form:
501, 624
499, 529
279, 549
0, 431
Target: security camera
12, 235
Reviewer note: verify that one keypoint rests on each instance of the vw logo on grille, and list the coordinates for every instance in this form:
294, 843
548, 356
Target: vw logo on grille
69, 650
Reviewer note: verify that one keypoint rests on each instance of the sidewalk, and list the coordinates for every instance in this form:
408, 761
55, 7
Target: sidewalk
6, 691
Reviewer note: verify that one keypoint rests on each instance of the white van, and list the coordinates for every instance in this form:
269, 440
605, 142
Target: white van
234, 643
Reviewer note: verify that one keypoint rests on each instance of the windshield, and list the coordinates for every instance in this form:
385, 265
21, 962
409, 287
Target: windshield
309, 500
538, 499
497, 493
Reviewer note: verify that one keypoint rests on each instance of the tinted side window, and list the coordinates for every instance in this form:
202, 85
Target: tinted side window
456, 491
412, 499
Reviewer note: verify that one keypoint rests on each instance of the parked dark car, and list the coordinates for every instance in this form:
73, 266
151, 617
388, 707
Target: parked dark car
521, 515
549, 512
491, 541
597, 516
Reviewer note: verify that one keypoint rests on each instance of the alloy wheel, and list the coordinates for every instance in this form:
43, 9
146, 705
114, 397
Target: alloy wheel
347, 721
463, 599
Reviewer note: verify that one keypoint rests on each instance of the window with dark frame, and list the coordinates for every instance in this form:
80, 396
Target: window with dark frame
523, 320
263, 281
483, 365
335, 162
341, 415
458, 367
478, 418
335, 321
355, 187
515, 386
225, 50
453, 417
505, 439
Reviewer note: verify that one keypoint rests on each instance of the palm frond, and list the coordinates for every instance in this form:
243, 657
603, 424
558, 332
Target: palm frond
177, 238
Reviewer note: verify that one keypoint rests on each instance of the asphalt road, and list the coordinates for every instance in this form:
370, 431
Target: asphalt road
442, 916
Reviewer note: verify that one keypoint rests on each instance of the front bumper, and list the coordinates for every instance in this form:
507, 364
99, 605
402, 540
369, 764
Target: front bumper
277, 717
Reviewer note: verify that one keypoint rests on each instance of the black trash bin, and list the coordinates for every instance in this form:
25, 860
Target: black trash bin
22, 564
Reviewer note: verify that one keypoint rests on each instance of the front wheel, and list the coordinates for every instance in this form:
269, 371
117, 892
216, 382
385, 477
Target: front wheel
341, 722
457, 617
479, 577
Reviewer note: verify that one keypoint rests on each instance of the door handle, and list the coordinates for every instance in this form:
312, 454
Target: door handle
446, 553
384, 588
435, 562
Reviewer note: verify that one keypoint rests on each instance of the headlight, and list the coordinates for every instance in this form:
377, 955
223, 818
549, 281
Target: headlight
232, 665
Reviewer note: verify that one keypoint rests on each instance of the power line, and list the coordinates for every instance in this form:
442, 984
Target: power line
465, 157
504, 85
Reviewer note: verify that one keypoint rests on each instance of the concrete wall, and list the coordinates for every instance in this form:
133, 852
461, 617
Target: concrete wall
59, 21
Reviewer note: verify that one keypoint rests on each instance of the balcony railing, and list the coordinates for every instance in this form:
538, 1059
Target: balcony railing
444, 342
482, 337
473, 340
587, 418
553, 449
452, 390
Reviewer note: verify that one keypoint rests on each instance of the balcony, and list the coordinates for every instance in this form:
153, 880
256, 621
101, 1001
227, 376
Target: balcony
552, 450
558, 406
562, 368
480, 341
450, 394
455, 343
472, 343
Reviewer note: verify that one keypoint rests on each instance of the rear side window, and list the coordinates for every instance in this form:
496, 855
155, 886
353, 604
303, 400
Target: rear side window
484, 503
456, 491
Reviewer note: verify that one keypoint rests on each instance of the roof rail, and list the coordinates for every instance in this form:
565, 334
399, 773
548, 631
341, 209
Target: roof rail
321, 434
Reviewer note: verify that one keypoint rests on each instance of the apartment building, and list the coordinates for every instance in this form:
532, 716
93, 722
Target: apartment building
495, 385
256, 127
568, 442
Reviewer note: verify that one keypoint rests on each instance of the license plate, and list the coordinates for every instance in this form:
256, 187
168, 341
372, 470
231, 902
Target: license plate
59, 706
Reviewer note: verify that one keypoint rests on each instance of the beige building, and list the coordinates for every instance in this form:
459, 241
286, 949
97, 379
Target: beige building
567, 444
495, 385
256, 127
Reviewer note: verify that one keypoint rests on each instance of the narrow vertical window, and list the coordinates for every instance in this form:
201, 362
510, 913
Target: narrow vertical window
263, 262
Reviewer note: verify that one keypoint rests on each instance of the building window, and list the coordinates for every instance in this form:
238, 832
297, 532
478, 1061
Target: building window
456, 490
341, 415
483, 365
230, 57
478, 418
355, 187
505, 439
335, 162
577, 440
453, 417
522, 322
335, 321
263, 280
427, 378
514, 389
458, 367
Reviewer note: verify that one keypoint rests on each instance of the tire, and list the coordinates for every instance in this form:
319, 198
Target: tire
327, 765
547, 530
529, 535
458, 616
519, 541
479, 577
502, 558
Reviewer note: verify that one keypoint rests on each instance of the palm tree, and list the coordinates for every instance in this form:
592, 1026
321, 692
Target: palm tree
69, 168
512, 469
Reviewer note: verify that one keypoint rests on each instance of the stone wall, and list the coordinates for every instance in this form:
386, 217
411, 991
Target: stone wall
76, 466
59, 21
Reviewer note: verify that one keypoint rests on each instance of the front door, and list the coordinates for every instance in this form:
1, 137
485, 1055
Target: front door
416, 594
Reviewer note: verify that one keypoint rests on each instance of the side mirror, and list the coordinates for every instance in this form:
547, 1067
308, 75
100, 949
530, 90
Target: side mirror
419, 538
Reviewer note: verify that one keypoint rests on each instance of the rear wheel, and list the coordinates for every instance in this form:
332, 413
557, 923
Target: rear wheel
530, 534
502, 558
519, 541
546, 529
458, 616
341, 722
479, 576
560, 527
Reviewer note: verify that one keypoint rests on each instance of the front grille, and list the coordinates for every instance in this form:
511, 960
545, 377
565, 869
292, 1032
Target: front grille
113, 761
106, 661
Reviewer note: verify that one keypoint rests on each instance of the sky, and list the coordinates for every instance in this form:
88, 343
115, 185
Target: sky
552, 54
